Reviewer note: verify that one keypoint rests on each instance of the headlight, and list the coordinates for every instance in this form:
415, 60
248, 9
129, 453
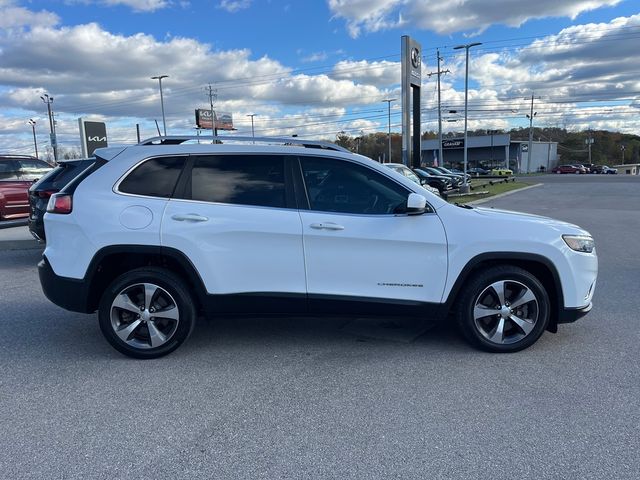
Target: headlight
579, 243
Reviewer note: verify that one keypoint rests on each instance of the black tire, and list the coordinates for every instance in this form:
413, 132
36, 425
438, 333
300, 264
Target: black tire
516, 281
168, 283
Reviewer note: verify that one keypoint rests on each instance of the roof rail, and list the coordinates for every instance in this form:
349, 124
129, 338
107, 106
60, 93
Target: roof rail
179, 139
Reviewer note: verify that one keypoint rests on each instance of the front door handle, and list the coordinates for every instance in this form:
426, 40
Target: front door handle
189, 217
326, 226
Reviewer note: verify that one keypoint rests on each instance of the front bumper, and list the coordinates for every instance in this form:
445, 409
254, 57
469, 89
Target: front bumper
68, 293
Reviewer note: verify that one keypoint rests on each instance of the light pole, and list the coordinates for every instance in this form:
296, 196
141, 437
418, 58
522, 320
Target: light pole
164, 122
389, 100
465, 185
253, 135
530, 147
52, 125
32, 122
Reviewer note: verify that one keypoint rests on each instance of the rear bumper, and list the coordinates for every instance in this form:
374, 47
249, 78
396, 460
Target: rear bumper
36, 227
570, 315
68, 293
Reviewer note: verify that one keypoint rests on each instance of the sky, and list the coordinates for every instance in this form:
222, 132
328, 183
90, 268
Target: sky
312, 68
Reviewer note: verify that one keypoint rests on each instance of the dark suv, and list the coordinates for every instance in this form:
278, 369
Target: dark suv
51, 183
17, 174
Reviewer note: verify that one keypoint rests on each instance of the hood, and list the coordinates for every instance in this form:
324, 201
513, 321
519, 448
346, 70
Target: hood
509, 216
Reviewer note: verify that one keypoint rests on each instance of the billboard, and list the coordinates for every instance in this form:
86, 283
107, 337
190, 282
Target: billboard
93, 135
224, 120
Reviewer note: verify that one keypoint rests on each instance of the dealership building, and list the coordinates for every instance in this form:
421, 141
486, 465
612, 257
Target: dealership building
492, 151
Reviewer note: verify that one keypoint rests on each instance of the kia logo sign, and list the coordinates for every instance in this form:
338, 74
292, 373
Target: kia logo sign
459, 143
93, 135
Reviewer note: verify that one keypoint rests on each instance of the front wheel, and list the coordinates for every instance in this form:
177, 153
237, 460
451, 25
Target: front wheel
503, 309
146, 313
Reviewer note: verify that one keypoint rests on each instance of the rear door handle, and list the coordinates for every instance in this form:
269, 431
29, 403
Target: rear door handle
326, 226
189, 217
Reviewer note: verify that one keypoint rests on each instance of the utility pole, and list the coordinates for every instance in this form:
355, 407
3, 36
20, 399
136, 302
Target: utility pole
589, 143
213, 96
622, 147
164, 121
32, 122
389, 100
439, 73
52, 125
530, 117
465, 185
253, 135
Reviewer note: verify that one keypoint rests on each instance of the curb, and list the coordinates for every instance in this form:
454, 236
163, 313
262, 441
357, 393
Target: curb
500, 195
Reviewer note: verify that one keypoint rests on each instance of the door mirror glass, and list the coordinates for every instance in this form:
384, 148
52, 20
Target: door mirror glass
416, 204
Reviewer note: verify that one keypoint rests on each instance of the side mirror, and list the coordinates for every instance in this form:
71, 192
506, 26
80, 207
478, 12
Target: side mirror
416, 204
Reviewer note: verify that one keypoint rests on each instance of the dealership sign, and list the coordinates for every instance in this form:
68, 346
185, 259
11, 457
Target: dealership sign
224, 120
93, 135
457, 143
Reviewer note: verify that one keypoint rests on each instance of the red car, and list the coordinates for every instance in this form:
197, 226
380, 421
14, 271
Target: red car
17, 174
569, 169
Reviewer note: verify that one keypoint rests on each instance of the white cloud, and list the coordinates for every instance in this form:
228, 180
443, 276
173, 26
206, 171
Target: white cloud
12, 16
233, 6
315, 57
140, 5
450, 17
380, 73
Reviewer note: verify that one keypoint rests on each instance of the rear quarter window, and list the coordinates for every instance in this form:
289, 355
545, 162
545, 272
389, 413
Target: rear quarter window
156, 177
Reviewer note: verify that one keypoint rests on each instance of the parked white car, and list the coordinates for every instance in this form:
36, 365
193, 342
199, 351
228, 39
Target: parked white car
153, 234
407, 172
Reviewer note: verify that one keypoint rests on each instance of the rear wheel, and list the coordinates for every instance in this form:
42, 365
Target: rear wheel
503, 309
146, 313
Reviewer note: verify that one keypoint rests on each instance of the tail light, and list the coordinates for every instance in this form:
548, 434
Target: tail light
60, 203
44, 194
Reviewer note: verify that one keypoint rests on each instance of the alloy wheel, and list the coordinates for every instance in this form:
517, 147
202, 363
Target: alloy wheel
505, 312
144, 315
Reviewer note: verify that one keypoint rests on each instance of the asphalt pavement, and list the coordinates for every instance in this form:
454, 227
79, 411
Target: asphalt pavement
309, 398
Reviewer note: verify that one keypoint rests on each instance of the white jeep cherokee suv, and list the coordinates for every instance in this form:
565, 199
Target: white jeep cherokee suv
153, 234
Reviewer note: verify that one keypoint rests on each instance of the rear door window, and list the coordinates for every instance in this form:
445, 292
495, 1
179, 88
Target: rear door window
156, 177
257, 180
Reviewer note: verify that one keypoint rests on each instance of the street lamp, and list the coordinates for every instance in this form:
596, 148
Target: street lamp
164, 122
465, 185
253, 135
32, 122
389, 100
